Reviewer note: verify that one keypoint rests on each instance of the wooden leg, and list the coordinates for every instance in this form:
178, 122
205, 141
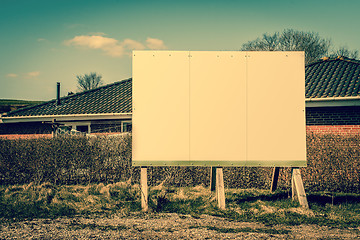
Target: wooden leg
144, 189
298, 186
293, 188
212, 178
275, 178
220, 190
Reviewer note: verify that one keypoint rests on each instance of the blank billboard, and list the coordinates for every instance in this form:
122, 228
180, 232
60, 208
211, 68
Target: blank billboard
218, 108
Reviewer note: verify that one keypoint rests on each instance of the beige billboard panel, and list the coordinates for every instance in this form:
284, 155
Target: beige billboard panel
276, 107
217, 106
160, 106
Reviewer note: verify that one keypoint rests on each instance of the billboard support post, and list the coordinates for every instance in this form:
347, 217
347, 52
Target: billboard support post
220, 190
212, 178
275, 178
144, 189
297, 187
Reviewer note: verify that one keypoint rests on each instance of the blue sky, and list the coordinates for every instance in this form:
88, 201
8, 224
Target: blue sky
44, 42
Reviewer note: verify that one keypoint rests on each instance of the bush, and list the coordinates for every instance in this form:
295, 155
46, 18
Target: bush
65, 160
333, 164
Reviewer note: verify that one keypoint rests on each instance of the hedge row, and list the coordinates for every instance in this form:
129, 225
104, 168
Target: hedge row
65, 160
333, 164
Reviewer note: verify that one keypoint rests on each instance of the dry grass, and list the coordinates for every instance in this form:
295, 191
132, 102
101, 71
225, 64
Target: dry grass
123, 198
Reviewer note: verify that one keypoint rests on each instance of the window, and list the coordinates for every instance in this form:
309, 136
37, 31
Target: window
84, 129
126, 126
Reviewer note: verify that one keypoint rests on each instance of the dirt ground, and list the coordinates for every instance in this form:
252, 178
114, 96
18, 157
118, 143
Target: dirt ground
163, 226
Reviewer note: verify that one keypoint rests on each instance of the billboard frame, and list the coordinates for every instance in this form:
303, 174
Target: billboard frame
176, 61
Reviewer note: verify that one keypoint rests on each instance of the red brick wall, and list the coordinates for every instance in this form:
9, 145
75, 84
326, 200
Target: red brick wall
333, 116
337, 120
336, 129
32, 136
24, 136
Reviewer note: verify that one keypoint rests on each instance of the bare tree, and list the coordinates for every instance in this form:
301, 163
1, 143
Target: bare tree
89, 81
266, 43
345, 52
311, 43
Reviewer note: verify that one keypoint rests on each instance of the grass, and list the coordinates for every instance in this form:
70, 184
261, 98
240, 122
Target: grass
251, 205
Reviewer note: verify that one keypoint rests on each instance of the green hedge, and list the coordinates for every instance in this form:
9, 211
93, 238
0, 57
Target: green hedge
333, 164
65, 160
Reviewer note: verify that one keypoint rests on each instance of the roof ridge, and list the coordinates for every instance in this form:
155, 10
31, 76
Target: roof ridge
332, 77
332, 59
67, 97
95, 89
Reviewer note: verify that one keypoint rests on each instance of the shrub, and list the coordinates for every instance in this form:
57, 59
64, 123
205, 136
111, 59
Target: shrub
65, 160
333, 164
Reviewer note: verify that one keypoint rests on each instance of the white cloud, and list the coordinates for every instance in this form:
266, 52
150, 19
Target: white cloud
24, 75
97, 33
110, 46
155, 44
41, 39
93, 41
12, 75
115, 51
33, 74
113, 47
132, 44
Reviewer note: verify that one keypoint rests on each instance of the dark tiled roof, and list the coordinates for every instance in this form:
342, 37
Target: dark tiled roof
336, 77
112, 98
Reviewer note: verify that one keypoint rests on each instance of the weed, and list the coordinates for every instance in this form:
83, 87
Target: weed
51, 201
93, 190
39, 209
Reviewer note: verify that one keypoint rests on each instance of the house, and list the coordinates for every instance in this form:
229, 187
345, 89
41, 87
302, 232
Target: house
332, 92
104, 109
333, 96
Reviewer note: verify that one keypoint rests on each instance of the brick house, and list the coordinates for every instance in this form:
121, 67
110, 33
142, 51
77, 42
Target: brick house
106, 109
332, 105
333, 96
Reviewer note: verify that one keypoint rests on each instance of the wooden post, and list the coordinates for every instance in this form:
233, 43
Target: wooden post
144, 189
275, 178
293, 188
212, 178
54, 128
220, 191
298, 186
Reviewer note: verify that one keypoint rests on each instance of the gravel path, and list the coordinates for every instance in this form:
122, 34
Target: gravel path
163, 226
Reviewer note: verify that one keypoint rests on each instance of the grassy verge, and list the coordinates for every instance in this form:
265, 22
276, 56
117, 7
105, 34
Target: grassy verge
251, 205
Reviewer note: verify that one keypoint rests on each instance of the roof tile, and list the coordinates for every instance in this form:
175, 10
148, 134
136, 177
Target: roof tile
338, 77
111, 98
